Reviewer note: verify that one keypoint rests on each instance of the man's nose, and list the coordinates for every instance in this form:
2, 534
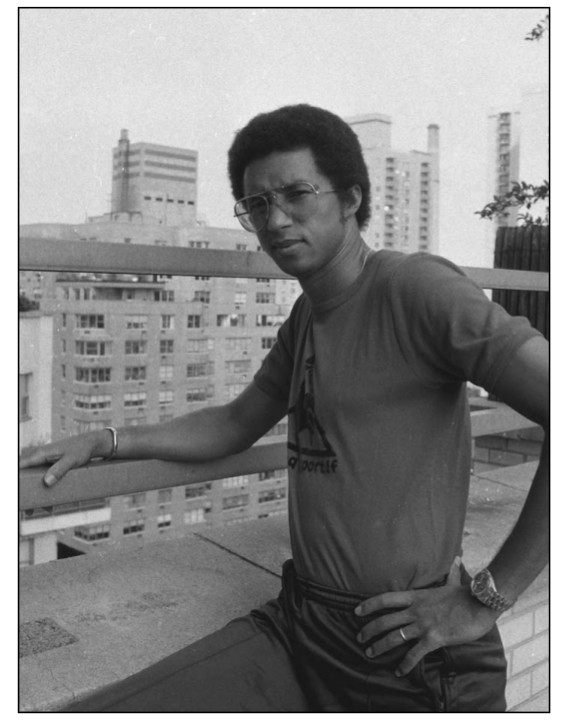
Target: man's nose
277, 217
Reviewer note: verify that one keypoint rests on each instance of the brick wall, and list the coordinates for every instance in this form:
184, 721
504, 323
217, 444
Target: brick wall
504, 450
525, 633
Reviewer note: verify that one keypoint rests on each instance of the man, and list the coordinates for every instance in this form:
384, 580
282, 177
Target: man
375, 613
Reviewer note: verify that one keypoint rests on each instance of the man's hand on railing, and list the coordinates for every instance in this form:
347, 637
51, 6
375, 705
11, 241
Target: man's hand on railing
68, 453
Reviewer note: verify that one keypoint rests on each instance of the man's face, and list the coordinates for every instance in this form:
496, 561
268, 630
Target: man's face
299, 246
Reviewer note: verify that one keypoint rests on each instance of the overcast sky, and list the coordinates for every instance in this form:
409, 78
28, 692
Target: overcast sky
191, 77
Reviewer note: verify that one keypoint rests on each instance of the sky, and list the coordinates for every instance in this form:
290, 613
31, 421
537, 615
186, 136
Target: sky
191, 77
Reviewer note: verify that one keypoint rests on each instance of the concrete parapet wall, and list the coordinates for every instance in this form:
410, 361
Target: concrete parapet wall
506, 449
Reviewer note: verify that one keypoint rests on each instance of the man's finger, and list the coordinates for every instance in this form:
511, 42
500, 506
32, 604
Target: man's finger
393, 600
401, 636
57, 471
382, 625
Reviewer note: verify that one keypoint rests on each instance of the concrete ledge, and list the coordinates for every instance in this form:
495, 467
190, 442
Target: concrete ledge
127, 610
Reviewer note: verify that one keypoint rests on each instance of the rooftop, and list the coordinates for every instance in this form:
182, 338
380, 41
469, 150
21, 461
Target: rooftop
94, 619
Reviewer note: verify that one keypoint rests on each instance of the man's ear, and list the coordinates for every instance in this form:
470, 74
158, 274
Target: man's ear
352, 198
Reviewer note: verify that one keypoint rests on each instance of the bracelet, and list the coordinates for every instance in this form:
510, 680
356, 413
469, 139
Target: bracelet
114, 433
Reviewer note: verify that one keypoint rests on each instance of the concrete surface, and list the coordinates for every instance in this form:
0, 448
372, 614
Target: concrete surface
129, 609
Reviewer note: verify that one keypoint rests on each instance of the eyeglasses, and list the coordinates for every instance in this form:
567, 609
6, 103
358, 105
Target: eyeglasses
298, 200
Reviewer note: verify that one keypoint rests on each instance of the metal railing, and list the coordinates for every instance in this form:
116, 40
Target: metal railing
107, 479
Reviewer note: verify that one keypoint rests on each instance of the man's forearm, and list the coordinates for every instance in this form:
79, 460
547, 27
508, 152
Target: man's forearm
195, 437
524, 554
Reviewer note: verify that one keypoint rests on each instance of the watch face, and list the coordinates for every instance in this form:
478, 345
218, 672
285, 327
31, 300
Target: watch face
481, 581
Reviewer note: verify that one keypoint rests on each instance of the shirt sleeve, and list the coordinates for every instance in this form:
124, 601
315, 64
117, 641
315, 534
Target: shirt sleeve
275, 374
447, 328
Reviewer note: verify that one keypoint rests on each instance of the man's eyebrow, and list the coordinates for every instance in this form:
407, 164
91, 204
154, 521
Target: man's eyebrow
279, 188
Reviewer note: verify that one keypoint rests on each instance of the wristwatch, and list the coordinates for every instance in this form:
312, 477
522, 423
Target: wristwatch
483, 589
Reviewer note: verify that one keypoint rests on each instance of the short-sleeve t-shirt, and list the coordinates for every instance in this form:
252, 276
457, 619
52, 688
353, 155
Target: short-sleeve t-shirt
379, 438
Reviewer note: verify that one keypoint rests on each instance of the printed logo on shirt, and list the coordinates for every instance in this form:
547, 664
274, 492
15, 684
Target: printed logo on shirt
312, 451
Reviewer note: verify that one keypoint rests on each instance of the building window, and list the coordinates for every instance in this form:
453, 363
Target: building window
201, 369
230, 503
166, 372
271, 474
197, 490
94, 401
241, 297
164, 520
92, 533
239, 366
265, 297
199, 394
199, 345
135, 399
133, 526
92, 375
166, 397
90, 321
134, 374
167, 322
63, 371
194, 517
270, 319
267, 342
228, 320
138, 321
241, 247
204, 297
193, 321
92, 348
164, 294
135, 346
166, 346
232, 482
271, 495
24, 396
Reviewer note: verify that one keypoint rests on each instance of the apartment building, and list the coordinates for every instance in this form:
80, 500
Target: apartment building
130, 350
404, 187
518, 146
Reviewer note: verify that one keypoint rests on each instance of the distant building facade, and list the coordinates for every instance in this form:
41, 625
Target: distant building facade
35, 374
404, 188
154, 181
130, 350
518, 146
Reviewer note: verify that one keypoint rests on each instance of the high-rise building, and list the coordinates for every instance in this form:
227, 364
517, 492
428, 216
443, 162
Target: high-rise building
518, 147
404, 188
131, 350
154, 181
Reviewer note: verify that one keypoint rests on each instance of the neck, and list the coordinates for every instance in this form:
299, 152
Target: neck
340, 272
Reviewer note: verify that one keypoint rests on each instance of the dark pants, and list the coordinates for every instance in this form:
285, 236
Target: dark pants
299, 654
